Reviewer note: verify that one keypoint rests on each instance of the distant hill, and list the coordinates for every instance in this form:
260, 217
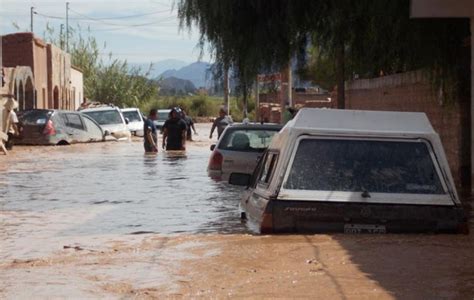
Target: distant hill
195, 72
160, 66
176, 86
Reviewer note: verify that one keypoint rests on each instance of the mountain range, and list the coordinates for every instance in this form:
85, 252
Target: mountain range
196, 72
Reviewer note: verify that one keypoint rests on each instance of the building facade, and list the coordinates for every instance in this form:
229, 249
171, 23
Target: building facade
49, 84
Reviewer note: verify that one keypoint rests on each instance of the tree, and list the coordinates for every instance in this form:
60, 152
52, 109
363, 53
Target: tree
362, 37
109, 81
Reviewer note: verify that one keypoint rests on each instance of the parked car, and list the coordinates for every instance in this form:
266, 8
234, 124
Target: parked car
162, 117
239, 148
56, 127
111, 120
354, 172
135, 120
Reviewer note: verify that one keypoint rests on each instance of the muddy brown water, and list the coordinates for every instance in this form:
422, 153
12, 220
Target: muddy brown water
135, 193
67, 215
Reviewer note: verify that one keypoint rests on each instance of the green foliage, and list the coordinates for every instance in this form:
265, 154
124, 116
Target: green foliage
364, 37
200, 106
196, 106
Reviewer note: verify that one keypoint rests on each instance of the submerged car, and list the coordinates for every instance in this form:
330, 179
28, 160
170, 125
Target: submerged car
56, 127
111, 120
239, 149
161, 118
135, 120
354, 172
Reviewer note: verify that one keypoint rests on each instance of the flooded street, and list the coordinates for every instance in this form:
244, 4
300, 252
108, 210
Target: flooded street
106, 221
120, 190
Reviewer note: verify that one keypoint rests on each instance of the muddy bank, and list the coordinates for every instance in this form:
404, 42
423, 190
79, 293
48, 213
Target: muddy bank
246, 266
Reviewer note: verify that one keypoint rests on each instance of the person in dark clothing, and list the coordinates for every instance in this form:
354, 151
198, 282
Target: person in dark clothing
174, 132
150, 136
190, 125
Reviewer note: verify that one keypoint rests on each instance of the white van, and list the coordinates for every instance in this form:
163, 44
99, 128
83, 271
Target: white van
135, 120
353, 171
111, 120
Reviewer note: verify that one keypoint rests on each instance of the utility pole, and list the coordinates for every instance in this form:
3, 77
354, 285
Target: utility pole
61, 36
67, 26
32, 11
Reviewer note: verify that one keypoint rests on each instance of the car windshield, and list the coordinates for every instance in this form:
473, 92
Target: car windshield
358, 166
133, 116
105, 117
247, 140
35, 117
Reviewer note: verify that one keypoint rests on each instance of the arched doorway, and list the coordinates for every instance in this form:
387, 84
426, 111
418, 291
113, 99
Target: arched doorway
21, 96
56, 98
29, 100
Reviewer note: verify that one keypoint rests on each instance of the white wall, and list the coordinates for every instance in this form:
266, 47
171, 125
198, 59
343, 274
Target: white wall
77, 86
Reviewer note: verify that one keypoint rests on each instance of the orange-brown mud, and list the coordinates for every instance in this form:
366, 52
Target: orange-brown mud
53, 262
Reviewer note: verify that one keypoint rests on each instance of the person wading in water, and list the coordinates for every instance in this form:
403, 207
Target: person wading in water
174, 131
150, 136
221, 123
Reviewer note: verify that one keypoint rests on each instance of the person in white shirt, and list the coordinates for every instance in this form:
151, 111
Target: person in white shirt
10, 121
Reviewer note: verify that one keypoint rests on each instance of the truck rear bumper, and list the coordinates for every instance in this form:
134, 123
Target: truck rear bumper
312, 216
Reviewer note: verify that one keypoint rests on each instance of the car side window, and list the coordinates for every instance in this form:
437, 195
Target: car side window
268, 167
92, 127
74, 121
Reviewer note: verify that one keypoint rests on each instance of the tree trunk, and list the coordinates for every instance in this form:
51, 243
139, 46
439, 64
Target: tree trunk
245, 94
340, 78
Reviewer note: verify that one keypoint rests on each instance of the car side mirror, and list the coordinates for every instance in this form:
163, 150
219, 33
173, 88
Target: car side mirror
106, 133
127, 121
239, 179
213, 147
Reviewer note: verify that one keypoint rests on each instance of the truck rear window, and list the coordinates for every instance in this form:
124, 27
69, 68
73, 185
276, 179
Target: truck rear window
358, 166
247, 140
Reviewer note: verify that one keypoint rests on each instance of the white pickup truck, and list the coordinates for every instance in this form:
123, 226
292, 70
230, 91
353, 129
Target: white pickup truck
354, 172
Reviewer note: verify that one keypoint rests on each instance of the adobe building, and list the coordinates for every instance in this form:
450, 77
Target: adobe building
51, 82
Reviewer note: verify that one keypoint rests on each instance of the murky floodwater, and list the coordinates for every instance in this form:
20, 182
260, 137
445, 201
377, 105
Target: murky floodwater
114, 188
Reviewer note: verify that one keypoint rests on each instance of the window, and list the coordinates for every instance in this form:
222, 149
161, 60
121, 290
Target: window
133, 116
92, 128
268, 166
35, 117
361, 165
247, 140
74, 121
105, 117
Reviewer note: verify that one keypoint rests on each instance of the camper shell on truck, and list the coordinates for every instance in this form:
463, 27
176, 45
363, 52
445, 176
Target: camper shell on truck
353, 171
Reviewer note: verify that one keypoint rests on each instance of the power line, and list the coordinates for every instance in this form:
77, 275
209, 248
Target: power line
84, 17
123, 25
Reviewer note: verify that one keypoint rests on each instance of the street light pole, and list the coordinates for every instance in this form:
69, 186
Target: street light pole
32, 11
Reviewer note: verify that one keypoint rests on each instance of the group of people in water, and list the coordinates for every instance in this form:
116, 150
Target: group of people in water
177, 130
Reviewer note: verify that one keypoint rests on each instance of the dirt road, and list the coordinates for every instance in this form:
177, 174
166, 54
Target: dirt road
42, 258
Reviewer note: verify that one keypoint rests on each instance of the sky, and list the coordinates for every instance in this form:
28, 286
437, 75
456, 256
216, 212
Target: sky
140, 31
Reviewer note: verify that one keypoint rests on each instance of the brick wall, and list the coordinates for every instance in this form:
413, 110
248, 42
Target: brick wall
413, 92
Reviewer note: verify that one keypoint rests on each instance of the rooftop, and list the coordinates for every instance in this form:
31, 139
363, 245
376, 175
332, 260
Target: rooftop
362, 121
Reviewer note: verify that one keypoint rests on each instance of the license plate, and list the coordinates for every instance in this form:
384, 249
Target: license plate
364, 228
